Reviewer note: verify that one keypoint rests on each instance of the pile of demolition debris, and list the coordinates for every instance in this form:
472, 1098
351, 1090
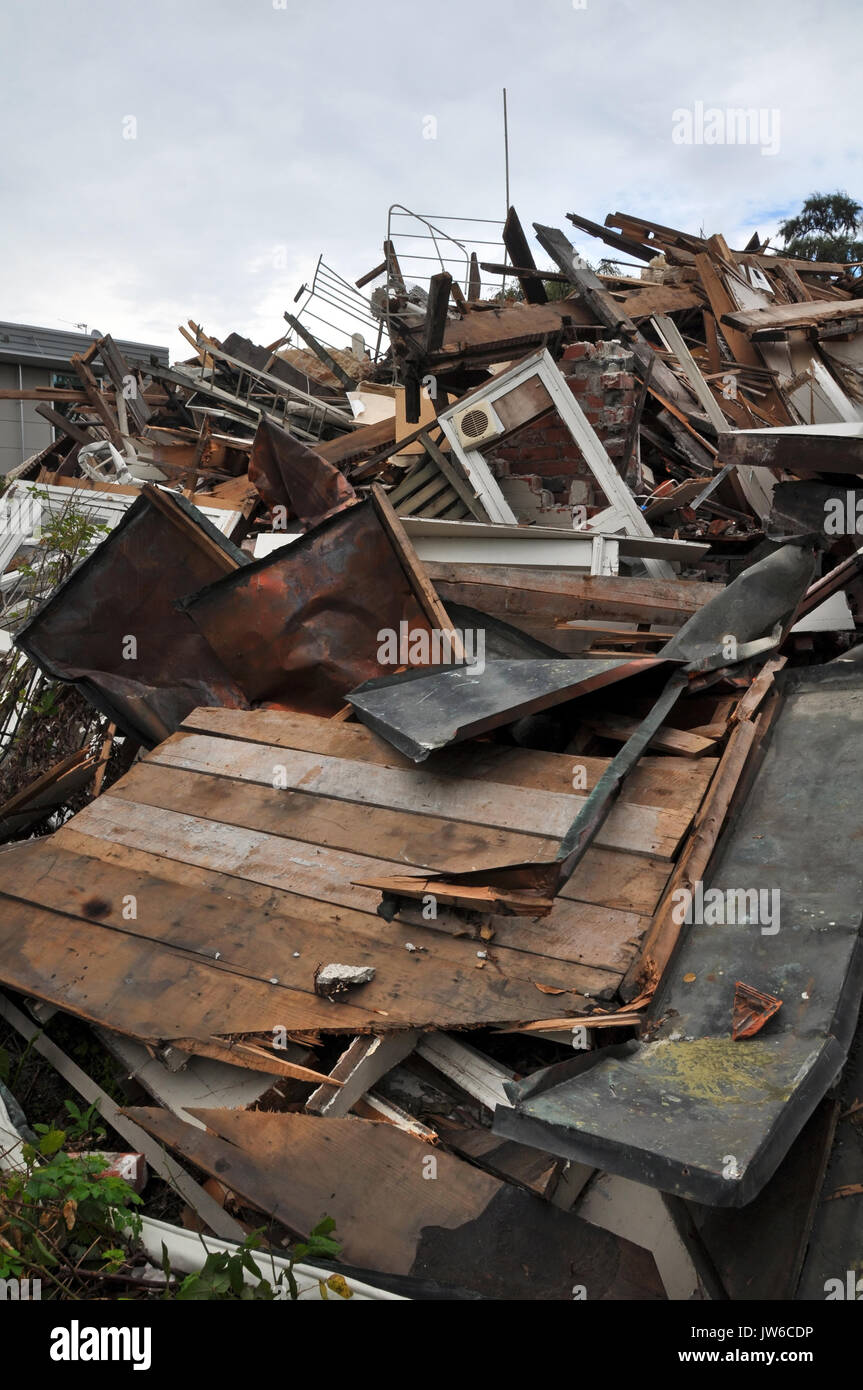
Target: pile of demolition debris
315, 812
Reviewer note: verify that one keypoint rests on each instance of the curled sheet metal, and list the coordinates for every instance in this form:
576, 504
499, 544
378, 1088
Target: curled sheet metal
759, 599
288, 473
112, 628
304, 625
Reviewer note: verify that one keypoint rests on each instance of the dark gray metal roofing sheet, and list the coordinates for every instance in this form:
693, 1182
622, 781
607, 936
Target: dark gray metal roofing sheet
691, 1111
27, 343
419, 711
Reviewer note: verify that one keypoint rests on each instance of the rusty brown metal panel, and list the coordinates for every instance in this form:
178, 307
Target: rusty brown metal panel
301, 627
113, 629
287, 473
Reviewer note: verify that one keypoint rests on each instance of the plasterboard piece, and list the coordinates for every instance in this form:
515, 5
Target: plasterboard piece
478, 1075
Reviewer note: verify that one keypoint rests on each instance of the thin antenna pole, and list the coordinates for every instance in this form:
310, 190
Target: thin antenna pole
506, 147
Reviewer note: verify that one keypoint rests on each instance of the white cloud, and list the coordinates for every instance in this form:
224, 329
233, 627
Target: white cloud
261, 127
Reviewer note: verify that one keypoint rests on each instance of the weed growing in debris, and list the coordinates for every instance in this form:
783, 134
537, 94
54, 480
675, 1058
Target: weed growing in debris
83, 1124
64, 1219
223, 1274
40, 720
74, 1227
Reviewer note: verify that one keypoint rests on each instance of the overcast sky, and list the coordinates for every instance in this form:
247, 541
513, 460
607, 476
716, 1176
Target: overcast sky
268, 131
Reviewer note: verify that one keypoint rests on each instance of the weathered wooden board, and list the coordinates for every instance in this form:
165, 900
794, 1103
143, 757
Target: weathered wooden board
540, 591
461, 1228
642, 829
196, 899
158, 977
654, 782
572, 931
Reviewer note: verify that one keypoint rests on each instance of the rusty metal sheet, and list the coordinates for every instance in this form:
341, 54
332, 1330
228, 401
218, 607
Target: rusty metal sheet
302, 627
112, 628
288, 473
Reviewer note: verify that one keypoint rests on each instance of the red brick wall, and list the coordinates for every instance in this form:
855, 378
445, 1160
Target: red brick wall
600, 377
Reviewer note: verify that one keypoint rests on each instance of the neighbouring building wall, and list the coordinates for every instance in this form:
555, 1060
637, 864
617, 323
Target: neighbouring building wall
22, 431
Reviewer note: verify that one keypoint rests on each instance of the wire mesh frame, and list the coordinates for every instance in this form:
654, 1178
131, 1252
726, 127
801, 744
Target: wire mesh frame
331, 289
488, 248
442, 240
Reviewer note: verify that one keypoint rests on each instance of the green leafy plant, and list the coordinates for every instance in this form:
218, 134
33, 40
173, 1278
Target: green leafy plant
83, 1122
223, 1273
62, 1217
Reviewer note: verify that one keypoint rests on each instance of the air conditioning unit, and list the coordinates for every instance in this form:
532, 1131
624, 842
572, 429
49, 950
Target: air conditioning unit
475, 424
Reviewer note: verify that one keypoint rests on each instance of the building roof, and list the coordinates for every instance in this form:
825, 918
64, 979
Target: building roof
53, 347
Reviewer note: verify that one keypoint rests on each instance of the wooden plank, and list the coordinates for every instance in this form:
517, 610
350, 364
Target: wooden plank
97, 400
499, 330
529, 1168
76, 432
802, 450
474, 284
363, 1063
644, 299
427, 841
179, 930
722, 304
50, 788
375, 1107
191, 1080
372, 1179
609, 878
371, 275
321, 884
809, 313
573, 595
628, 246
517, 271
167, 504
575, 932
664, 931
654, 782
423, 590
365, 439
521, 255
759, 688
474, 1073
436, 312
642, 829
119, 371
785, 272
669, 740
146, 989
673, 338
741, 348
